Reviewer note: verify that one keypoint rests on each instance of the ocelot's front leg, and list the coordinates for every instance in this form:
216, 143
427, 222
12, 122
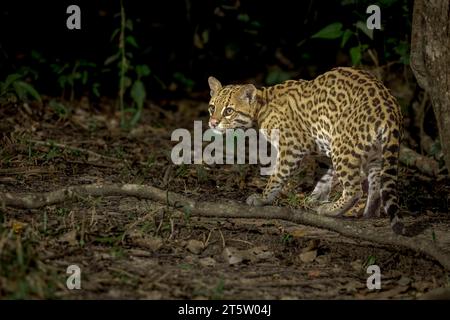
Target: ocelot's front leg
287, 161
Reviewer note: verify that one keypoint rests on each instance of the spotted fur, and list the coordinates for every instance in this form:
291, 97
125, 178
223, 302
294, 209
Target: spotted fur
345, 114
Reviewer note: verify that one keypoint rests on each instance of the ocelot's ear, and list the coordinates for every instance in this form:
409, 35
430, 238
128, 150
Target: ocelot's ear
248, 93
214, 85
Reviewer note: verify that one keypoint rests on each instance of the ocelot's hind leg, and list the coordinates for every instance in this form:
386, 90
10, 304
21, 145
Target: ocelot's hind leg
347, 170
373, 204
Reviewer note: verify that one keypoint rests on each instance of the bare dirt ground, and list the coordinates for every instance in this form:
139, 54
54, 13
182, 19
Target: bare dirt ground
130, 248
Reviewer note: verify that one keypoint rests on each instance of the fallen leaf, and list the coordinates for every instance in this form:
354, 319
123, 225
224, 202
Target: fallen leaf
298, 233
308, 256
258, 253
207, 262
69, 237
404, 281
232, 255
314, 273
195, 246
154, 244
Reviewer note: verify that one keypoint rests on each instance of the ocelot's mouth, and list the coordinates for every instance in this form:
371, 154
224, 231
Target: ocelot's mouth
223, 130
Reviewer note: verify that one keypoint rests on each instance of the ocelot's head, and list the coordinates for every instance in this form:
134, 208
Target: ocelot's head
232, 106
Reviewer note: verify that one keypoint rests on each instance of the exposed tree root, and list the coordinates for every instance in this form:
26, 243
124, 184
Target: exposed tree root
226, 210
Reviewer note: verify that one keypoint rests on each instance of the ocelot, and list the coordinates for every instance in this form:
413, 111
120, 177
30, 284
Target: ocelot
345, 114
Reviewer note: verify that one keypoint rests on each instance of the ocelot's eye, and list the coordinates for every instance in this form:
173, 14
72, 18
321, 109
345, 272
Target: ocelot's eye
228, 112
211, 109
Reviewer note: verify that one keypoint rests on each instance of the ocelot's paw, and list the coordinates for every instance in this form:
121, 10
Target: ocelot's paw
318, 197
257, 200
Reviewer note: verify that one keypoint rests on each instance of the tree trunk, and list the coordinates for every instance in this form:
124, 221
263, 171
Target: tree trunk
430, 61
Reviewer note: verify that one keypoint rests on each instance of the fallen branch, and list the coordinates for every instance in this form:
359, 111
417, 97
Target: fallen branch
225, 210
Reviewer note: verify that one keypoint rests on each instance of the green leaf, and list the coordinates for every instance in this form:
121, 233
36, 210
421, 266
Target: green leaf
205, 36
332, 31
345, 37
23, 89
356, 53
95, 90
403, 49
60, 109
76, 76
371, 260
255, 24
363, 27
9, 80
142, 70
35, 55
114, 34
243, 17
132, 41
187, 82
58, 69
277, 76
62, 80
112, 58
138, 93
84, 77
129, 24
84, 63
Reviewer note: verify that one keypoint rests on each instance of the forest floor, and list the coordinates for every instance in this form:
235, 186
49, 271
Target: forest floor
130, 248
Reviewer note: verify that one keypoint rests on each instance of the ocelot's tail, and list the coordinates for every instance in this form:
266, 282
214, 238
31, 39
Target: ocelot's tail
388, 177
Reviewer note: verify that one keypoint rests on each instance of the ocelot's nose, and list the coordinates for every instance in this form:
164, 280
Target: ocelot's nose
213, 122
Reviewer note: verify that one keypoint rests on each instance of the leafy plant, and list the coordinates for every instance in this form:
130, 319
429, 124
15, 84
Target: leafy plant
357, 39
13, 87
335, 31
276, 75
400, 49
60, 109
135, 85
68, 76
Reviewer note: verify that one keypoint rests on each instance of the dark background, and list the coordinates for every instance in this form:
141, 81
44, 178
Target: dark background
183, 42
